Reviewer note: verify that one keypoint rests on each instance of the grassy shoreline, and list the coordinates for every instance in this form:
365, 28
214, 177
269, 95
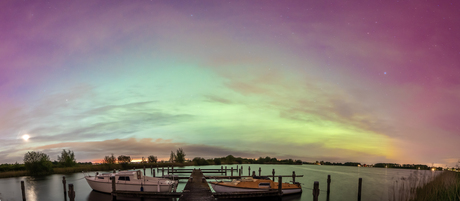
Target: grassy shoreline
92, 168
444, 187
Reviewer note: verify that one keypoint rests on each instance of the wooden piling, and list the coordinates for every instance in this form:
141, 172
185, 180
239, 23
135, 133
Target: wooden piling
162, 171
231, 174
144, 170
315, 191
114, 188
241, 171
225, 170
273, 173
260, 170
280, 186
249, 171
71, 193
360, 184
328, 186
293, 177
65, 190
23, 191
253, 173
168, 170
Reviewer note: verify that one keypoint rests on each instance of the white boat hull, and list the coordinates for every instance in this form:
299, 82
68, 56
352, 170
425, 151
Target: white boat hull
106, 187
229, 189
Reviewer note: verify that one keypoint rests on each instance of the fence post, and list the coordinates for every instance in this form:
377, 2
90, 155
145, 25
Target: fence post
71, 193
315, 191
273, 173
65, 188
360, 184
328, 186
260, 170
23, 191
114, 188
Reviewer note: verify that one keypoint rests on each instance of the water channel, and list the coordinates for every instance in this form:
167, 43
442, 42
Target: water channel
378, 183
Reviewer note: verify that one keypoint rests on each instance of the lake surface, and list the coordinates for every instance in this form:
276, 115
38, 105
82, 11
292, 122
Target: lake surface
378, 183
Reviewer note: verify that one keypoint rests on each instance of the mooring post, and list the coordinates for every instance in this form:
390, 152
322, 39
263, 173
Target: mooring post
239, 172
328, 186
315, 191
249, 171
260, 170
237, 168
168, 170
280, 186
225, 170
293, 177
163, 171
273, 173
232, 172
144, 170
23, 191
221, 170
71, 193
153, 173
151, 170
172, 169
65, 188
114, 188
360, 184
253, 173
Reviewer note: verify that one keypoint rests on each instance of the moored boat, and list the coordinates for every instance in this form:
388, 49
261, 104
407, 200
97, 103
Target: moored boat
248, 184
130, 181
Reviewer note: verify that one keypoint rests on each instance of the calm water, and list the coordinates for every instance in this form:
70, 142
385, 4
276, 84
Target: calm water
377, 183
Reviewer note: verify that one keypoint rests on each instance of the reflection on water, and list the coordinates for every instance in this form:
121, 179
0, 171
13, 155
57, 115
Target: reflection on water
31, 193
378, 183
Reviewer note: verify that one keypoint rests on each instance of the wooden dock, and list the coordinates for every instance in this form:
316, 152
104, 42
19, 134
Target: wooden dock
197, 188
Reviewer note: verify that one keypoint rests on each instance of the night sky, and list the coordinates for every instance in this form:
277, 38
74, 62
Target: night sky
363, 81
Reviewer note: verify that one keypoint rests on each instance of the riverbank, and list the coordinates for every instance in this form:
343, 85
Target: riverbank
92, 168
444, 187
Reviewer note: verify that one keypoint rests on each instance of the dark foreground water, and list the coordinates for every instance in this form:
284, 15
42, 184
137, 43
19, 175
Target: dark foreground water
378, 183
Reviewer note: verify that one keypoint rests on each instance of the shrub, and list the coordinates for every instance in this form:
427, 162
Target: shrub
37, 163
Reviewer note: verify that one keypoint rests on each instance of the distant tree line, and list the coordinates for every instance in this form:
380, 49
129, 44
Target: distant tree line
230, 159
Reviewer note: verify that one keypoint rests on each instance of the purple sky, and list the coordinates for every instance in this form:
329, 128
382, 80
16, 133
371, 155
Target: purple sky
365, 81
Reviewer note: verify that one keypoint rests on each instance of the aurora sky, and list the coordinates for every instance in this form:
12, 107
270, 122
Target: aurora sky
363, 81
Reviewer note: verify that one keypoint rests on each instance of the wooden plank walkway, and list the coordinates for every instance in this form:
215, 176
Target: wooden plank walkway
197, 188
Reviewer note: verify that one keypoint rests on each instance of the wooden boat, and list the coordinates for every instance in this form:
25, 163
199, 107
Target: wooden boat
247, 184
130, 181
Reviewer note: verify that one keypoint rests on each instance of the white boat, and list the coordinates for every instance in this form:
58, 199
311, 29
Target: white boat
130, 181
248, 184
